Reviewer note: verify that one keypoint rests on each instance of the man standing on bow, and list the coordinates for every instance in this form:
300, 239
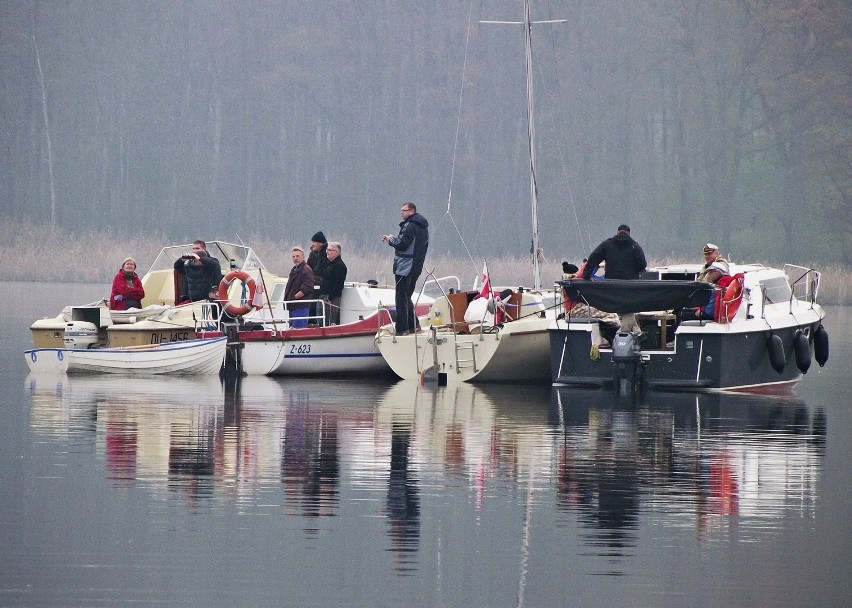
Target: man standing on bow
410, 247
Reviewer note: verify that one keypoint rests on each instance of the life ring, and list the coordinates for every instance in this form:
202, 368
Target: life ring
225, 283
731, 299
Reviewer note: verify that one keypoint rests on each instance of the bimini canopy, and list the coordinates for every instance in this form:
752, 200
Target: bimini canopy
640, 295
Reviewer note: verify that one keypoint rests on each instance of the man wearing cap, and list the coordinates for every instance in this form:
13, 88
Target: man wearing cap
624, 259
711, 256
715, 271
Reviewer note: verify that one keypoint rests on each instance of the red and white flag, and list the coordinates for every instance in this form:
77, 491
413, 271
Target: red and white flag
257, 300
485, 292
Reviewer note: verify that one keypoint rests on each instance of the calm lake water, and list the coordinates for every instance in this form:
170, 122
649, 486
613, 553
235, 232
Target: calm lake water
280, 492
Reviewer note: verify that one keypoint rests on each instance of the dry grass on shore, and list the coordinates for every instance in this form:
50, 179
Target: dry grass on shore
30, 252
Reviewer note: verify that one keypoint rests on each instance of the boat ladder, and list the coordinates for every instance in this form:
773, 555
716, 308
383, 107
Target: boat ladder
465, 355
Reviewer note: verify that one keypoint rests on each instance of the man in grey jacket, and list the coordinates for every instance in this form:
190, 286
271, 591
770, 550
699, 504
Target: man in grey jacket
410, 247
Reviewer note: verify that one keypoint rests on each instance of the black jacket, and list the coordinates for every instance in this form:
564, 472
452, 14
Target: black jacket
411, 245
333, 279
200, 280
318, 261
623, 256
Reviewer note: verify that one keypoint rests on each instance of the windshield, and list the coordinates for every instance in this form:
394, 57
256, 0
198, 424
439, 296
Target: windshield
228, 254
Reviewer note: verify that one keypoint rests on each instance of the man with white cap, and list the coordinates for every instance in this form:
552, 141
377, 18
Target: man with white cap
711, 256
715, 271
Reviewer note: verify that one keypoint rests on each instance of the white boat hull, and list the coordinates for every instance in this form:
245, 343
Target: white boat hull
303, 356
518, 352
179, 358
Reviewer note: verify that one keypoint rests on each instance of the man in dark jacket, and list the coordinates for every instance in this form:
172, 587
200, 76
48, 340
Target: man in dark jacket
332, 282
624, 260
317, 258
410, 247
300, 286
202, 271
318, 261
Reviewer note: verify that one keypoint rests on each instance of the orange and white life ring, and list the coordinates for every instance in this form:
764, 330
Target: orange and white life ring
225, 283
731, 299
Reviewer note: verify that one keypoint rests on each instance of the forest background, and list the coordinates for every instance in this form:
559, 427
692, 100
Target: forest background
128, 126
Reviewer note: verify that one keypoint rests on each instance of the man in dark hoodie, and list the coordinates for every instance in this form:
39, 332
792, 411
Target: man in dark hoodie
624, 260
410, 246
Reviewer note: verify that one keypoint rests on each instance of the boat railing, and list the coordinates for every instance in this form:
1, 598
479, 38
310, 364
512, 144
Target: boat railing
270, 315
804, 282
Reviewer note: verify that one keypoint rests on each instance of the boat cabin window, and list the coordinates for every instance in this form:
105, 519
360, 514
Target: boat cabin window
678, 276
776, 290
667, 275
278, 292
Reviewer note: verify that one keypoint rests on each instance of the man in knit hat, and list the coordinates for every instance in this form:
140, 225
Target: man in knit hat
711, 256
318, 261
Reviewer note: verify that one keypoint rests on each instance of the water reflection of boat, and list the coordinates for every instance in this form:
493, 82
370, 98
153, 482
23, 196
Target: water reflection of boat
704, 456
145, 428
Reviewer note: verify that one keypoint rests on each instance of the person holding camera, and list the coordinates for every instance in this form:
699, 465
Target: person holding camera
202, 274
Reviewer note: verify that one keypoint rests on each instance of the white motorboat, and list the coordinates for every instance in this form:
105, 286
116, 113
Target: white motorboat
766, 331
162, 317
188, 357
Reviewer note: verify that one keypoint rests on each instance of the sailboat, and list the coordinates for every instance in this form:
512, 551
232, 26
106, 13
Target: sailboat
508, 341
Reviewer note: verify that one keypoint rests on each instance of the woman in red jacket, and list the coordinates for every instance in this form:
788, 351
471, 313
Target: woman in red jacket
127, 291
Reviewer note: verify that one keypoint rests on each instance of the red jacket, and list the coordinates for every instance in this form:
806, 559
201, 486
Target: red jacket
121, 288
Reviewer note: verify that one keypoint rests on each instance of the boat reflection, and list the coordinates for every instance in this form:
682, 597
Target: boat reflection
330, 453
696, 461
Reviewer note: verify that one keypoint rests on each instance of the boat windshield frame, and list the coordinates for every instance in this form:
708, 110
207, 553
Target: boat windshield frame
228, 254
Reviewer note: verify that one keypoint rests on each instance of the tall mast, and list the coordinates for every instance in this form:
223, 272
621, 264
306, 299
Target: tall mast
536, 247
536, 241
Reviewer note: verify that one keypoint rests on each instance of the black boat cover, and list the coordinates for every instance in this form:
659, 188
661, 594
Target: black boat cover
640, 295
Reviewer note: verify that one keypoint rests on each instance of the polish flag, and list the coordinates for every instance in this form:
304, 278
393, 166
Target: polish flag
485, 292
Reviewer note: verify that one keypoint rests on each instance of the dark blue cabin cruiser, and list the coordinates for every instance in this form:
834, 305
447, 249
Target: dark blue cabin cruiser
766, 328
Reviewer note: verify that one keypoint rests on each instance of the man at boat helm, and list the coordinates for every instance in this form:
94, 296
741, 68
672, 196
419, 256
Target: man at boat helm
715, 272
202, 271
711, 256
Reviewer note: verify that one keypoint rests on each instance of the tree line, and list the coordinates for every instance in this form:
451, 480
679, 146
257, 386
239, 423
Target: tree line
726, 121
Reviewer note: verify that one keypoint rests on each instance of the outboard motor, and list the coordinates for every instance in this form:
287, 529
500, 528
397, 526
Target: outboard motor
80, 334
627, 358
